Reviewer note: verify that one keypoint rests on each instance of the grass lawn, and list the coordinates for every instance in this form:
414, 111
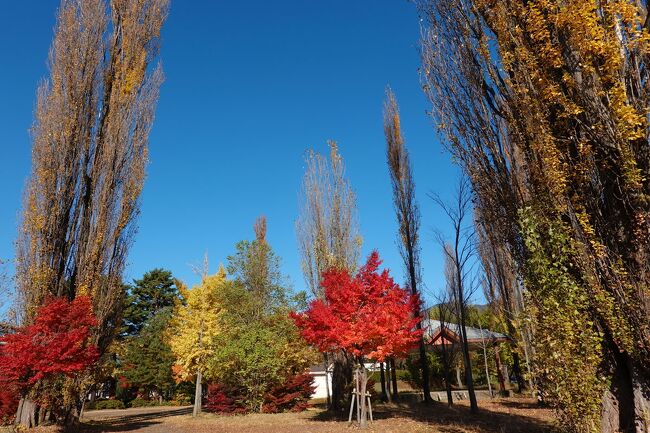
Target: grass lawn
498, 416
514, 415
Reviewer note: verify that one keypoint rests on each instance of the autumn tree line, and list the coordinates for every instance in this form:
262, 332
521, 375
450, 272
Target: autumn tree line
542, 104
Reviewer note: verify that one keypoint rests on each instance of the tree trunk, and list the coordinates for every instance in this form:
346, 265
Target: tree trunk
459, 379
424, 366
363, 422
497, 360
473, 404
394, 379
341, 380
445, 367
327, 380
26, 413
389, 392
198, 394
383, 382
487, 370
626, 404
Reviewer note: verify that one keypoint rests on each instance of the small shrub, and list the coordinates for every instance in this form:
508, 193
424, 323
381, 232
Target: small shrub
8, 405
226, 400
293, 395
141, 402
182, 399
105, 404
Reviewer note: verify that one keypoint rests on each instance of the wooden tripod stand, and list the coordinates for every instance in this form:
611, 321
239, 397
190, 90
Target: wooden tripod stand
355, 400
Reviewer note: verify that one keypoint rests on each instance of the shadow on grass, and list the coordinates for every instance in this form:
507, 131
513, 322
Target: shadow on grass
455, 419
129, 421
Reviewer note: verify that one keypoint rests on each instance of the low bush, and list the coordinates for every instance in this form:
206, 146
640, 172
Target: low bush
141, 402
293, 395
8, 405
105, 404
225, 400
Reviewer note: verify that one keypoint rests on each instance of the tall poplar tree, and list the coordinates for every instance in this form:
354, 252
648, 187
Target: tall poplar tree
407, 212
89, 153
92, 121
328, 236
544, 104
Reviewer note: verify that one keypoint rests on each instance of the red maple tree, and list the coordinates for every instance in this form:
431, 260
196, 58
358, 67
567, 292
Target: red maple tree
56, 343
368, 316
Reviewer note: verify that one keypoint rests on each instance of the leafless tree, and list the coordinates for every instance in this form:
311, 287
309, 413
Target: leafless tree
327, 227
460, 256
89, 153
328, 237
407, 212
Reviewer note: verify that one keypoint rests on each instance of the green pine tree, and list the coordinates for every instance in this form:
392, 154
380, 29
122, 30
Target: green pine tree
155, 291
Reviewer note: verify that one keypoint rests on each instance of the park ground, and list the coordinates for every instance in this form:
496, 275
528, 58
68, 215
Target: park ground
513, 415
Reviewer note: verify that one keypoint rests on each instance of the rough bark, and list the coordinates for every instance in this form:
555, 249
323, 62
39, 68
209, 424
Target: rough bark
363, 422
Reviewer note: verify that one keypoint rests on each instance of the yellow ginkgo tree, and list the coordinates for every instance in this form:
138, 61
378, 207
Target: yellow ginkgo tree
194, 330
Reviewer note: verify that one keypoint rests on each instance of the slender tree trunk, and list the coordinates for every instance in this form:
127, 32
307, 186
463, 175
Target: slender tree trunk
424, 366
198, 394
383, 382
446, 372
516, 370
468, 372
487, 370
459, 380
497, 360
389, 392
394, 379
464, 345
327, 380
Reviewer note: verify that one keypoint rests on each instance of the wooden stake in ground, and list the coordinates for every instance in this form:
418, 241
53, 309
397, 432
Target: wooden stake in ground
363, 405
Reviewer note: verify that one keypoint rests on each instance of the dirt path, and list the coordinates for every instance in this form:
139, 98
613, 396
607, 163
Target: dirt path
140, 419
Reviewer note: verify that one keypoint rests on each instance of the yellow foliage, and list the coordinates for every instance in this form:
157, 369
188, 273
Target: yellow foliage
195, 325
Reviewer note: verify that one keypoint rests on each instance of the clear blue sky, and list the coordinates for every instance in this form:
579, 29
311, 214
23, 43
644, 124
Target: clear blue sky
249, 87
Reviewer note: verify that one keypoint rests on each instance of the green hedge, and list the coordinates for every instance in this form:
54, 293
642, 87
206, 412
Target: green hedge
105, 404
